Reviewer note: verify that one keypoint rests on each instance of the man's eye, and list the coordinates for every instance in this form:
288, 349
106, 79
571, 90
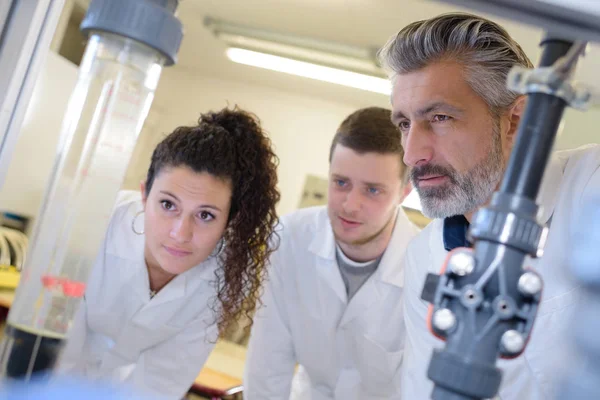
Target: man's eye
441, 118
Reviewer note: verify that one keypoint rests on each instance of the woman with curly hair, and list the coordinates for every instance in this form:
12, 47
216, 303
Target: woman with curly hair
182, 261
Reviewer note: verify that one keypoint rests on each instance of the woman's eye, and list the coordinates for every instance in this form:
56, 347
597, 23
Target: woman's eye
206, 216
167, 205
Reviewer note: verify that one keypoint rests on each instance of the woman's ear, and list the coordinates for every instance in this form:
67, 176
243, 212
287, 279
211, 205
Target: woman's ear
143, 191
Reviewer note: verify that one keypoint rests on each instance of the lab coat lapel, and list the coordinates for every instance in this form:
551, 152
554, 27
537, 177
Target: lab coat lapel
549, 189
129, 247
141, 284
436, 248
183, 285
323, 246
390, 271
366, 297
172, 291
392, 264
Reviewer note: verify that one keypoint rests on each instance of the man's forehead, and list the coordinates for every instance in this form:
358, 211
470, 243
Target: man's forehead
351, 156
368, 168
366, 179
440, 79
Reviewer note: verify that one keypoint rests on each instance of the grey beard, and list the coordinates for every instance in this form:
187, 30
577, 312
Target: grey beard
465, 193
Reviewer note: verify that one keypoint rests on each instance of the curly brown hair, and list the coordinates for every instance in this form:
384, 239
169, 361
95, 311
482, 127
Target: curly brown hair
231, 144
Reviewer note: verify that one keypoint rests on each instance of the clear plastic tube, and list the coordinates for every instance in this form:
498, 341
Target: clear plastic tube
115, 88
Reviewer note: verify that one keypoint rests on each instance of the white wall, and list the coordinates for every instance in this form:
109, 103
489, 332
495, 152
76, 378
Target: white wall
301, 127
35, 151
579, 128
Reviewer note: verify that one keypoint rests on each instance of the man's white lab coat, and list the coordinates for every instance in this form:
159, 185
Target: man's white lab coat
349, 350
571, 177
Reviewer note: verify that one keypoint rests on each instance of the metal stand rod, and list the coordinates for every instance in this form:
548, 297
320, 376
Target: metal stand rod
535, 140
484, 304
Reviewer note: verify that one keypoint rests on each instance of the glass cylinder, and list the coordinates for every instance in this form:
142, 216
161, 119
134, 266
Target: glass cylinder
115, 89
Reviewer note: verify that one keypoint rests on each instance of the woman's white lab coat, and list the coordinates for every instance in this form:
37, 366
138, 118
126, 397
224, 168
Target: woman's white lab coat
120, 334
571, 177
349, 350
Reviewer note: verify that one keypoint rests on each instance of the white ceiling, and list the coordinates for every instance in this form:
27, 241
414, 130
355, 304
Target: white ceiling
366, 23
356, 22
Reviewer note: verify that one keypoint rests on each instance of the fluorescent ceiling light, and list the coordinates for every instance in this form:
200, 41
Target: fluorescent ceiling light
309, 70
233, 34
316, 56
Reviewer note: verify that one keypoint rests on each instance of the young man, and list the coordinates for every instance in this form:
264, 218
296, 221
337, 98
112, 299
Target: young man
333, 301
458, 122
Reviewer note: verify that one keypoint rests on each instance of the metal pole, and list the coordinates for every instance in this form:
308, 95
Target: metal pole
484, 303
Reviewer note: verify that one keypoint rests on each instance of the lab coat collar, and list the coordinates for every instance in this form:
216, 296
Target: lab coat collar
390, 269
323, 245
550, 186
323, 242
185, 284
366, 297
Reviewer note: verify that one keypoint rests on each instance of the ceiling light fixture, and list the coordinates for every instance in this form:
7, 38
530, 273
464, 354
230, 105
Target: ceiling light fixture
309, 70
307, 57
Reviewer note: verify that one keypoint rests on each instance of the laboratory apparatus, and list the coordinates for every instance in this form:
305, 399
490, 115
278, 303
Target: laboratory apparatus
129, 43
484, 301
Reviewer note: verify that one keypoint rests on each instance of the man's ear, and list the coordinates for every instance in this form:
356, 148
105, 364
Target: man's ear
515, 115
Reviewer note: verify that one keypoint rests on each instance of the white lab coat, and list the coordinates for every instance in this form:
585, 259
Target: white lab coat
158, 346
571, 176
349, 350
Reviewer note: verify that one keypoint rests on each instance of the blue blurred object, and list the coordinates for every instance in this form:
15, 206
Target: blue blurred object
582, 382
64, 388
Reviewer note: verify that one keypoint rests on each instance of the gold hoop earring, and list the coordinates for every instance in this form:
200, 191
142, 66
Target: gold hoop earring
133, 223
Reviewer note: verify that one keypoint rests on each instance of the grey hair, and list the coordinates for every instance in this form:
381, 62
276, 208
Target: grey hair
484, 48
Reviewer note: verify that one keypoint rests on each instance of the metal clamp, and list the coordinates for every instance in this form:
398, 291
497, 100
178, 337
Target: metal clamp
544, 80
554, 80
